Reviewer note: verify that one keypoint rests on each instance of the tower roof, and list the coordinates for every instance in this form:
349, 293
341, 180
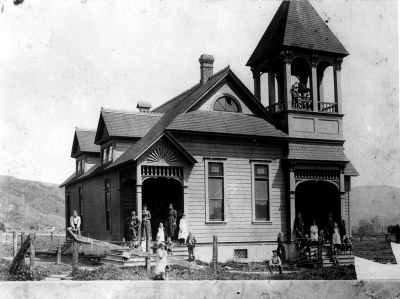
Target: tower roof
297, 24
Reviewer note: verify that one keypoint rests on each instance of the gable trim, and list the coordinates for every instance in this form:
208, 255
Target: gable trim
101, 132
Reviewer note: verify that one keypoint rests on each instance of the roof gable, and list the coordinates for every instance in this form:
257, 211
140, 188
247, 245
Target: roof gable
297, 24
84, 142
126, 124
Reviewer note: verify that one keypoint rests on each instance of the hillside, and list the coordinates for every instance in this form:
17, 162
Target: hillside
368, 201
24, 203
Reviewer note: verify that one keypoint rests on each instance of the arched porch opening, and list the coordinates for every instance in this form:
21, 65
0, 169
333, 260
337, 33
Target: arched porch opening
315, 199
158, 193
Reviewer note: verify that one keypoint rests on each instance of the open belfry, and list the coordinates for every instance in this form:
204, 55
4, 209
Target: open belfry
228, 165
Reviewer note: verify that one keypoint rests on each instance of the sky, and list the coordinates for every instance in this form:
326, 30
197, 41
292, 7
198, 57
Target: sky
62, 60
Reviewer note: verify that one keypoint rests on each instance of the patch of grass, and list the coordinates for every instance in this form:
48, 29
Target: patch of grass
375, 250
326, 273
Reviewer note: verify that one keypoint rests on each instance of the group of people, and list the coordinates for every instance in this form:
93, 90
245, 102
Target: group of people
164, 232
333, 233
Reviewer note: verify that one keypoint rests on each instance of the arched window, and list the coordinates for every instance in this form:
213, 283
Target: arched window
226, 104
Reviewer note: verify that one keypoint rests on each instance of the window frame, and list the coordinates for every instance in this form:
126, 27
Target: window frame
253, 197
81, 205
207, 201
80, 166
226, 97
107, 216
107, 155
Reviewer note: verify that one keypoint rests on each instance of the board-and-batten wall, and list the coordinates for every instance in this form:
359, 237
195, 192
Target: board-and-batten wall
238, 182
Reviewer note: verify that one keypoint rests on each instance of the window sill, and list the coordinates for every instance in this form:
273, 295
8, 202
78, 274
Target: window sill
261, 222
216, 222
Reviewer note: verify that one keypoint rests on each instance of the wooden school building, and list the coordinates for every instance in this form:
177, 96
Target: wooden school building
237, 169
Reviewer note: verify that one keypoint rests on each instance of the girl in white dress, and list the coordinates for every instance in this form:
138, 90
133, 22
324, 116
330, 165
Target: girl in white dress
161, 262
161, 233
336, 235
183, 230
314, 232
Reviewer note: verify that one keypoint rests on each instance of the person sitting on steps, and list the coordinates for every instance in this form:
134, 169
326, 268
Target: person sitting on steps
275, 262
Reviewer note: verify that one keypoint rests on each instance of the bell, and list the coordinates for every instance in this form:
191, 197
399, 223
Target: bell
303, 88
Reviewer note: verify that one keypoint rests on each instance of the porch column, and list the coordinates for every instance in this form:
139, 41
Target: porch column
185, 192
257, 84
342, 193
314, 86
338, 84
271, 88
139, 191
292, 203
287, 79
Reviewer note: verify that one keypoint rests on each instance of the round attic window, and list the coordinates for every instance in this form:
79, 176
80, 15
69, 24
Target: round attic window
226, 104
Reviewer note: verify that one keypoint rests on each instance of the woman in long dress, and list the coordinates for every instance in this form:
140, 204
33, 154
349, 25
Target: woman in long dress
146, 225
183, 230
336, 241
281, 248
161, 262
314, 232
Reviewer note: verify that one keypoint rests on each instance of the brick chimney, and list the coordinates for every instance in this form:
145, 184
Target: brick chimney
206, 67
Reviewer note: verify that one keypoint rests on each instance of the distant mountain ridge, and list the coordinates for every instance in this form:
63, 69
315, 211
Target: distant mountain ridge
368, 201
24, 203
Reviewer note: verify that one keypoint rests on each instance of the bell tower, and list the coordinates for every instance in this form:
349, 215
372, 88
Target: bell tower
302, 59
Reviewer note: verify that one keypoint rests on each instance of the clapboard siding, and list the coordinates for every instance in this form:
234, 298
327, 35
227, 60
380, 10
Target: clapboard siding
238, 183
94, 206
120, 148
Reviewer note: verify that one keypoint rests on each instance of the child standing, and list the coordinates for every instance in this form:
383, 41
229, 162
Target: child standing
275, 262
191, 244
183, 230
161, 232
161, 263
336, 236
314, 232
169, 245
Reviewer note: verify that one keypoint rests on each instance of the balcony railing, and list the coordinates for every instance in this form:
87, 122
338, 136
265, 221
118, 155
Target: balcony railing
302, 103
327, 107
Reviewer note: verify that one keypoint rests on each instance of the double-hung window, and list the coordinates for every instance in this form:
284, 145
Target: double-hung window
80, 166
260, 192
107, 203
107, 154
80, 193
215, 191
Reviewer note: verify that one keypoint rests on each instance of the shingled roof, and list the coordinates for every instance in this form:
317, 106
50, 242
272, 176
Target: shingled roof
297, 24
316, 152
128, 124
175, 106
84, 142
224, 123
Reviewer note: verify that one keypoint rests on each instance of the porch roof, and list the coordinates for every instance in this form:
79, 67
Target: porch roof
316, 152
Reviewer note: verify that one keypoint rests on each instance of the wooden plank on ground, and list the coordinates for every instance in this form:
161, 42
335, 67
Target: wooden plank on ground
20, 255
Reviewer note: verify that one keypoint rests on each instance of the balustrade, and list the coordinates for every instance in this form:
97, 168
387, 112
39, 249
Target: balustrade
327, 107
164, 171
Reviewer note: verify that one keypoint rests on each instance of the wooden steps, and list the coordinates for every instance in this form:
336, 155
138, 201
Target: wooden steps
344, 258
179, 252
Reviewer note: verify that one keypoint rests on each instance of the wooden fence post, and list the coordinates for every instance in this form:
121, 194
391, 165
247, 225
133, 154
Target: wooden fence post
59, 252
148, 250
22, 244
32, 248
215, 253
15, 244
51, 237
1, 243
320, 246
75, 255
